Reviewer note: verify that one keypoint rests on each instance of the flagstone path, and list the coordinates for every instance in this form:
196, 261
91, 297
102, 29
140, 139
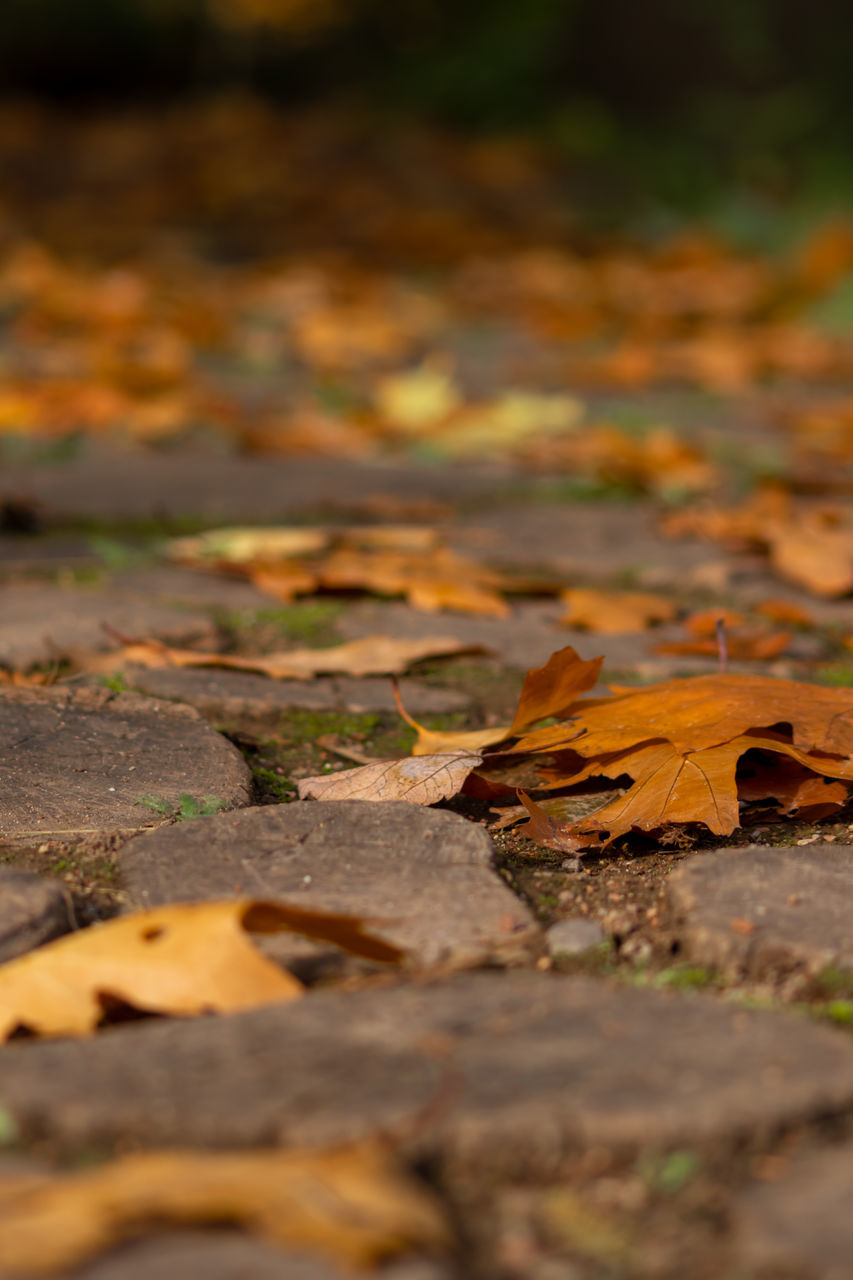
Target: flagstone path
572, 1055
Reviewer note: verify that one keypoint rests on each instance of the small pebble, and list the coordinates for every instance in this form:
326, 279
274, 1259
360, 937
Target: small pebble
573, 937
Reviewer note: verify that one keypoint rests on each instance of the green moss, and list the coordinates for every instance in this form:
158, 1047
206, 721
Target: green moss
837, 674
686, 978
308, 622
837, 1011
668, 1173
271, 787
187, 807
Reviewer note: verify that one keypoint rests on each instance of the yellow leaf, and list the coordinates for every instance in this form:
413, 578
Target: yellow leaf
353, 1204
419, 399
183, 959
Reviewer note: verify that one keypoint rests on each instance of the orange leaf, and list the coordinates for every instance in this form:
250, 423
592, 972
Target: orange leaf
614, 612
552, 690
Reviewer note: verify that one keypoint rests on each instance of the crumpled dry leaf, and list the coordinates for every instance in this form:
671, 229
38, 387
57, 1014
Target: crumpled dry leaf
183, 959
425, 779
370, 656
355, 1205
811, 546
614, 612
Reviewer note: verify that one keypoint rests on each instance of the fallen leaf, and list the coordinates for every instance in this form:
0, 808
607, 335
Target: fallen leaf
785, 611
814, 555
432, 580
355, 1205
744, 646
707, 621
239, 546
372, 655
437, 741
425, 779
614, 612
418, 400
788, 787
183, 959
551, 690
703, 711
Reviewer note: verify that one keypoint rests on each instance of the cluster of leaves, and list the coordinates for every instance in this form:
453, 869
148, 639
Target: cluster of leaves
688, 751
147, 348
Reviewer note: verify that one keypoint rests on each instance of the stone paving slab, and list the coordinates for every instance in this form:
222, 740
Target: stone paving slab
799, 1224
527, 637
74, 763
227, 1255
753, 909
520, 1071
424, 875
241, 699
41, 622
33, 910
583, 542
121, 485
193, 588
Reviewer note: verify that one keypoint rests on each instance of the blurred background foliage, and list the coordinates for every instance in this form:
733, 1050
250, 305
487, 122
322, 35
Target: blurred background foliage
679, 100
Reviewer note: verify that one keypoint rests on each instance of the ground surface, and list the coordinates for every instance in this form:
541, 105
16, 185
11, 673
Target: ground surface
632, 1064
654, 1076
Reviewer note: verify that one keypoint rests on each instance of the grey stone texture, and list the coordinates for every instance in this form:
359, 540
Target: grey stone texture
510, 1074
573, 937
229, 1255
75, 763
33, 910
755, 909
423, 876
245, 700
41, 622
800, 1224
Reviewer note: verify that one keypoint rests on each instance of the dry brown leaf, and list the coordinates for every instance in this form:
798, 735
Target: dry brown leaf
788, 787
744, 646
355, 1205
785, 611
614, 612
425, 779
182, 959
707, 621
674, 787
703, 711
680, 742
372, 655
551, 690
432, 580
814, 555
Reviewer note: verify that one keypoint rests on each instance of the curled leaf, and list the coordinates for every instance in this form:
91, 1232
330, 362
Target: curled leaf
184, 959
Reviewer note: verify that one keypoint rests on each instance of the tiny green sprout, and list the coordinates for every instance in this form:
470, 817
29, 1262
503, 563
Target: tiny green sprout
668, 1173
157, 803
187, 807
115, 681
840, 1012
